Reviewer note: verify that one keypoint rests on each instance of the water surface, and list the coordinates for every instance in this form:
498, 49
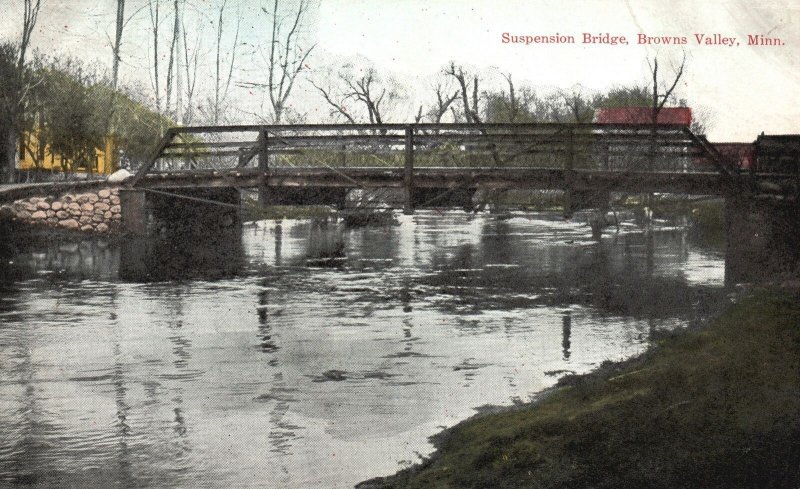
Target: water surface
303, 354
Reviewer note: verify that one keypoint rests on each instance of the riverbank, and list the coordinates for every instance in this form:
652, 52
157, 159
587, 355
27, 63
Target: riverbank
714, 408
95, 211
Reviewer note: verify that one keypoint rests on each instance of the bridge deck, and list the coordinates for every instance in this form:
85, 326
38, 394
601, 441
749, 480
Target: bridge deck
427, 157
705, 183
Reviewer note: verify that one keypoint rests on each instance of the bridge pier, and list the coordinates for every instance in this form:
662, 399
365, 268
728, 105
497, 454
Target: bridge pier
408, 172
761, 238
135, 213
199, 212
263, 166
575, 200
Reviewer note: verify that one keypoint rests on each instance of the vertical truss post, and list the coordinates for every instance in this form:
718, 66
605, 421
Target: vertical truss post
570, 149
605, 149
653, 149
408, 174
263, 166
569, 165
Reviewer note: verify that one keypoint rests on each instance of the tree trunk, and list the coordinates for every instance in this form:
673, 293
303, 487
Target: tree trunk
9, 165
111, 126
178, 68
156, 88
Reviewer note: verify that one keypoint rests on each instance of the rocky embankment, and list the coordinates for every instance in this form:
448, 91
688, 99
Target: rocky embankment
96, 211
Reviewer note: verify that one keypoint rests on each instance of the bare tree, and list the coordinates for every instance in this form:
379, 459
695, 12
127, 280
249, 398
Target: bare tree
286, 58
190, 66
470, 105
660, 99
178, 70
517, 104
154, 21
443, 102
580, 107
376, 95
512, 106
441, 105
472, 108
120, 25
337, 104
364, 90
29, 17
658, 102
172, 56
111, 123
221, 87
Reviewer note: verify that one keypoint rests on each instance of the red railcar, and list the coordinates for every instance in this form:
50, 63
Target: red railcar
669, 158
768, 154
736, 155
644, 115
778, 153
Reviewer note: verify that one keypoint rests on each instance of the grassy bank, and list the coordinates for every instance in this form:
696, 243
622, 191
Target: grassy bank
717, 408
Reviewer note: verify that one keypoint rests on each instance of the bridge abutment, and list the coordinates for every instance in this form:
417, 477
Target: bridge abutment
761, 238
87, 207
134, 211
168, 212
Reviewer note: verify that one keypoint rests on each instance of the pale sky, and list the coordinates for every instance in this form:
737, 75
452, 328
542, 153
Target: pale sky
748, 89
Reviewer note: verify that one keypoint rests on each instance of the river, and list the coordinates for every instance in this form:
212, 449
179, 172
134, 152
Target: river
303, 354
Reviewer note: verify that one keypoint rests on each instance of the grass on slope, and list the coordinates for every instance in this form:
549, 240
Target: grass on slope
715, 408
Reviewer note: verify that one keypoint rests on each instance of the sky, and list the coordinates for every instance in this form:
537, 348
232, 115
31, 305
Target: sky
743, 90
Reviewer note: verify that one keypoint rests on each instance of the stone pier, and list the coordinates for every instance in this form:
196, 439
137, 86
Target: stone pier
195, 212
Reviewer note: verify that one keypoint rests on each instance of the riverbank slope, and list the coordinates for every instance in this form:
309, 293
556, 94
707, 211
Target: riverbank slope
714, 408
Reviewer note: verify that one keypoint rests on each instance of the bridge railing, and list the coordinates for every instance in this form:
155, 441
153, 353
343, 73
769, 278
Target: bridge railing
415, 147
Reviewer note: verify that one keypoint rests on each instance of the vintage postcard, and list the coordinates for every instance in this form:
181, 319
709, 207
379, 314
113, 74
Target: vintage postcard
399, 244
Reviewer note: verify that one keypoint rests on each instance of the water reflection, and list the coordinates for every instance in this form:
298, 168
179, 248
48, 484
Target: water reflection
304, 354
566, 332
212, 257
268, 344
57, 258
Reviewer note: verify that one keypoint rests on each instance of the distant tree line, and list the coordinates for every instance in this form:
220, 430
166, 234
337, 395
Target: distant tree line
357, 93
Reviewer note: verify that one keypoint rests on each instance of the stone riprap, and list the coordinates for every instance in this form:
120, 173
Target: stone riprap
96, 211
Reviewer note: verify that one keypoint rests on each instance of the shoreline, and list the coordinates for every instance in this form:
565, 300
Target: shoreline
536, 445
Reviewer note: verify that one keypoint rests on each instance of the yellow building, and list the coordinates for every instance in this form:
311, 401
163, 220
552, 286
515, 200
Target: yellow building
102, 163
